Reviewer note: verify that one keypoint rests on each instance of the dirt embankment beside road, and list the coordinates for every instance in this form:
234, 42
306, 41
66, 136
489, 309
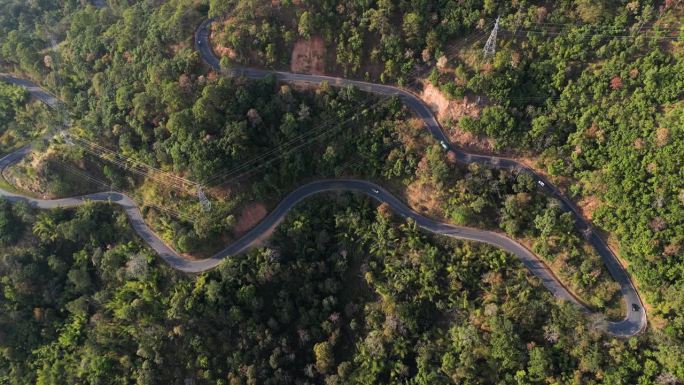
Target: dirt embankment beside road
308, 56
449, 112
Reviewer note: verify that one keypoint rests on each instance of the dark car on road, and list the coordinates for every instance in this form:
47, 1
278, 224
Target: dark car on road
635, 307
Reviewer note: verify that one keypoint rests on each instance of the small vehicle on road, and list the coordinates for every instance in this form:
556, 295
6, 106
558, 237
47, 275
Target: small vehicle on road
375, 191
542, 184
443, 144
635, 307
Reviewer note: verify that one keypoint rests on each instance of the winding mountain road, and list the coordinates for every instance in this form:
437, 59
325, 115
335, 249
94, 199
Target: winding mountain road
633, 323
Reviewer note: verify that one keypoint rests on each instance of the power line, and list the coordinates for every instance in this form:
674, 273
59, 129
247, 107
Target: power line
265, 155
278, 148
289, 151
657, 37
605, 34
133, 165
96, 180
82, 174
246, 164
594, 26
129, 163
272, 150
117, 158
414, 71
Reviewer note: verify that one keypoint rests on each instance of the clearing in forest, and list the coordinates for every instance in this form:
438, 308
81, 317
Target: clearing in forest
308, 56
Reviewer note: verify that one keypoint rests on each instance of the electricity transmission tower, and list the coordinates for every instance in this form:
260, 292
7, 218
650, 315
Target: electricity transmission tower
204, 202
490, 47
126, 163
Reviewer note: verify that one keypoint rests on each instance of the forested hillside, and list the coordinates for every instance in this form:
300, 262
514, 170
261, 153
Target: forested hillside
343, 294
591, 90
588, 92
132, 82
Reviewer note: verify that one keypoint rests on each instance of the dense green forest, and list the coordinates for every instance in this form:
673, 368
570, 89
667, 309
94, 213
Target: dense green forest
162, 110
344, 293
129, 91
591, 89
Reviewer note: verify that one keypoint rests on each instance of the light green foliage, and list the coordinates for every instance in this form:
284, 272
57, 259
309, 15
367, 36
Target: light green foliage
324, 356
20, 120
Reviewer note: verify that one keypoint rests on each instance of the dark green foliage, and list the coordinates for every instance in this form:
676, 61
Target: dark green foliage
344, 294
494, 121
10, 226
11, 98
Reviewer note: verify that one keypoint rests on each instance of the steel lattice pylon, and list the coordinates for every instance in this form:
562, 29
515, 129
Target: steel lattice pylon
204, 202
490, 47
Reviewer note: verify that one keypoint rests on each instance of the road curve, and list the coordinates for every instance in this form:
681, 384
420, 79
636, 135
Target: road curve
634, 322
35, 90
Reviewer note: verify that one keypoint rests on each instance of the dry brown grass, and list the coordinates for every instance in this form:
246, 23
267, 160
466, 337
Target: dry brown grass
252, 214
587, 205
445, 108
308, 56
662, 136
425, 199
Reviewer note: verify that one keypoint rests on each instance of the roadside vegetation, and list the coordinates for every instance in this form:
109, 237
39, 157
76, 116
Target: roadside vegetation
343, 293
591, 91
20, 119
253, 142
604, 119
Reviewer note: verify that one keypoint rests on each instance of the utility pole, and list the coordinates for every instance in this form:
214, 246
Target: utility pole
490, 47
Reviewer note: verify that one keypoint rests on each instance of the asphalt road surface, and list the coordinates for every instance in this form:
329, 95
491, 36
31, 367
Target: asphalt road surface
633, 323
35, 90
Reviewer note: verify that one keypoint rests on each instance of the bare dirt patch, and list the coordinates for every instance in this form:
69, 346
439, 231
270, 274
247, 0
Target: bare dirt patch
224, 51
470, 141
450, 111
444, 107
216, 36
250, 216
662, 136
308, 56
587, 205
302, 86
425, 199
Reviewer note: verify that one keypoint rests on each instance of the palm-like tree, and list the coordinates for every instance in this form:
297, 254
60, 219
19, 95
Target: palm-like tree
45, 228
